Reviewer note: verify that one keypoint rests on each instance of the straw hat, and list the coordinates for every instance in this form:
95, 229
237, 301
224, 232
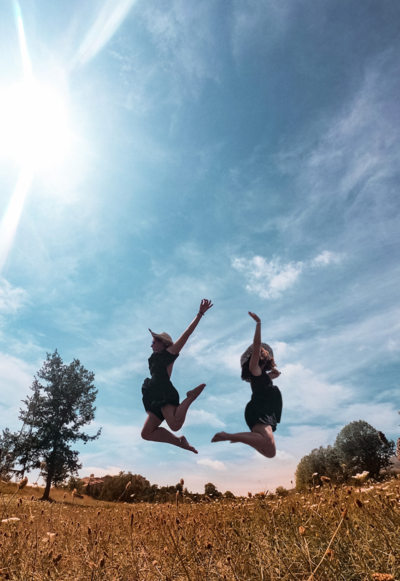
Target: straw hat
165, 338
247, 354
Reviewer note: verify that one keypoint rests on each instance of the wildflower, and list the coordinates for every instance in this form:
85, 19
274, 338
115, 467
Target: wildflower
362, 476
23, 483
302, 531
382, 577
358, 503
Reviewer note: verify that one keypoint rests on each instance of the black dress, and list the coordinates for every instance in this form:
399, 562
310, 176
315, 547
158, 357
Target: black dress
159, 391
265, 406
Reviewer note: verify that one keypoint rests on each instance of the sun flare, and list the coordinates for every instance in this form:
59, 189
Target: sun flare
34, 126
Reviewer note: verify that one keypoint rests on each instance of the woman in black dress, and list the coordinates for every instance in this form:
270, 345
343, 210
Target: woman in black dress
160, 398
263, 412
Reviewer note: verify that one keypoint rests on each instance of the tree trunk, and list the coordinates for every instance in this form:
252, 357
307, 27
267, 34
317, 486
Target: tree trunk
46, 492
50, 472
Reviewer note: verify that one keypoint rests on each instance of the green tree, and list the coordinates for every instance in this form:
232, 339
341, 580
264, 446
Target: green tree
211, 490
6, 454
61, 404
320, 462
281, 491
361, 448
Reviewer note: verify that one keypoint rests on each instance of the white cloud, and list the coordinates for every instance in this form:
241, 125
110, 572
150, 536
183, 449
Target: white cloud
16, 377
201, 417
11, 298
326, 258
309, 397
284, 456
269, 279
215, 464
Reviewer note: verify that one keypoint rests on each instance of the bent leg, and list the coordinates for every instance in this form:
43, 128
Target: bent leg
268, 447
175, 415
261, 438
153, 433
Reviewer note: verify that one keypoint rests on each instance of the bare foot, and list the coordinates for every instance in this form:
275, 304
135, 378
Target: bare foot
220, 437
194, 393
186, 446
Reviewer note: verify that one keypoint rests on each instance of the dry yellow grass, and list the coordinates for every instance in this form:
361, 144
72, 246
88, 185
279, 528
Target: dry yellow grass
329, 534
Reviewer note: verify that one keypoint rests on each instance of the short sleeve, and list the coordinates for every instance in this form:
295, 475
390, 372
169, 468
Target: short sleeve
168, 357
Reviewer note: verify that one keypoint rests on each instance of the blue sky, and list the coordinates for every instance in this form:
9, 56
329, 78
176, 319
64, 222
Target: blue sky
246, 152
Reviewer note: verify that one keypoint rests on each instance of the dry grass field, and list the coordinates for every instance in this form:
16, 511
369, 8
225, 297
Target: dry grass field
327, 534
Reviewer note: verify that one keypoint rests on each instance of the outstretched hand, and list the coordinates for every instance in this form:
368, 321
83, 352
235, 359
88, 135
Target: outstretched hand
255, 317
204, 306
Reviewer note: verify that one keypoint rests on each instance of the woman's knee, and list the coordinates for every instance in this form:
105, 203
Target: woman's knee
174, 425
269, 451
146, 435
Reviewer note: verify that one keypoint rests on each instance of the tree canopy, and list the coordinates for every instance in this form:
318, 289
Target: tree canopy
361, 448
358, 448
61, 404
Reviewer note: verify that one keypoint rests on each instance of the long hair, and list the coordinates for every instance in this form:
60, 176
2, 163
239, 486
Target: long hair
269, 366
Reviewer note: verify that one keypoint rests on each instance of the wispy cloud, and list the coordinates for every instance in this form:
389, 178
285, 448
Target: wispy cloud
188, 41
269, 279
11, 298
345, 178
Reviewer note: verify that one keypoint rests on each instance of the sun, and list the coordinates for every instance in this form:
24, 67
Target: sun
34, 126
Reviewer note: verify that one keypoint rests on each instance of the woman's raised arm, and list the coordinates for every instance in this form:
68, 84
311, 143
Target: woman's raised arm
176, 347
254, 367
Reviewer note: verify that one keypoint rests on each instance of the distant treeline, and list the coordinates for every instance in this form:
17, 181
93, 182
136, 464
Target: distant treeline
133, 488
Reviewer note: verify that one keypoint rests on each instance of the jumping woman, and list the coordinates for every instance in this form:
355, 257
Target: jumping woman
263, 412
160, 398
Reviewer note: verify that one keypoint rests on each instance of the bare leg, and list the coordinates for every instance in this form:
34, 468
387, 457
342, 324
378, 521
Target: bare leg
261, 438
176, 415
152, 432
